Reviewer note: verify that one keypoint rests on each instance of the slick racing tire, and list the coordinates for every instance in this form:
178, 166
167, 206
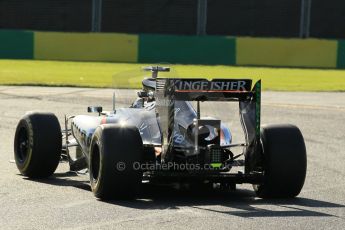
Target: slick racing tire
37, 145
114, 151
285, 162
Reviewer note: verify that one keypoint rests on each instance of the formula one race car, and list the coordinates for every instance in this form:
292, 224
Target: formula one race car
161, 137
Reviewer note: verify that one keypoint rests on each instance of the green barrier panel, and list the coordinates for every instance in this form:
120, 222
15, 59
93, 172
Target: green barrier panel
187, 49
341, 54
16, 44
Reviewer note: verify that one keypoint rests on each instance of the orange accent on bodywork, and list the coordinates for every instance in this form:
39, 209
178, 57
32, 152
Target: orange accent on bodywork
158, 151
221, 136
104, 120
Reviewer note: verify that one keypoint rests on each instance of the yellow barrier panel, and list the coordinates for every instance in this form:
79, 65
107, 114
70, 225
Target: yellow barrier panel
86, 47
286, 52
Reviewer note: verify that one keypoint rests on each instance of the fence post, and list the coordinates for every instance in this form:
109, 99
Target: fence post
96, 15
201, 17
304, 30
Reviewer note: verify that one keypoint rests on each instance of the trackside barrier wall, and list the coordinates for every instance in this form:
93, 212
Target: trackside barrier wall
146, 48
16, 44
286, 52
85, 47
187, 49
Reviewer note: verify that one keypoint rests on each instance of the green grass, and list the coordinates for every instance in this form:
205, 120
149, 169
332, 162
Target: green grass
95, 74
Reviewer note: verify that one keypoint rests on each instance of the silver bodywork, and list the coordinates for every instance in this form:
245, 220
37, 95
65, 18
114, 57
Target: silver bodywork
143, 116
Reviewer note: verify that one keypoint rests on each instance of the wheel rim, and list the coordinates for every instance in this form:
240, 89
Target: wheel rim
22, 145
95, 163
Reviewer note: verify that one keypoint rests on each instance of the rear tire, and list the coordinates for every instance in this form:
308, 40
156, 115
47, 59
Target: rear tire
113, 152
37, 145
285, 162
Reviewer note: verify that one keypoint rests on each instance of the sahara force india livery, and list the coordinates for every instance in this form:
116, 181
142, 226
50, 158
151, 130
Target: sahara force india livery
162, 137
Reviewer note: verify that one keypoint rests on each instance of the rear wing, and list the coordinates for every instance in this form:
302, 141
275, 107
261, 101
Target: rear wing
168, 90
204, 90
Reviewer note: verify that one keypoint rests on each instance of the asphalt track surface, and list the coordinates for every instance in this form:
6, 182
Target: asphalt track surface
65, 201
